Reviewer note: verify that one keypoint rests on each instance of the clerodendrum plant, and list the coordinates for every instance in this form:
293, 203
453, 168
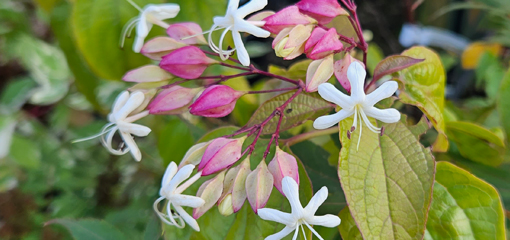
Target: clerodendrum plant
386, 174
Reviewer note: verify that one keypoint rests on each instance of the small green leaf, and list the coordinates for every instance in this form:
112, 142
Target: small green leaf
15, 94
25, 152
89, 229
393, 64
424, 87
464, 207
218, 132
387, 181
374, 56
503, 104
306, 106
476, 142
174, 140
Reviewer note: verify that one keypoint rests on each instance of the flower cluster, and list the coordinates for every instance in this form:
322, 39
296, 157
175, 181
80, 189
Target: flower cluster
177, 85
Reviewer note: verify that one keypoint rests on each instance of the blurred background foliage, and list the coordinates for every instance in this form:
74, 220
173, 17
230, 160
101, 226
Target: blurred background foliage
60, 66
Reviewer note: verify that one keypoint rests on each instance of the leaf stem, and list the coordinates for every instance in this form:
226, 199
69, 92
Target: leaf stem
273, 90
308, 135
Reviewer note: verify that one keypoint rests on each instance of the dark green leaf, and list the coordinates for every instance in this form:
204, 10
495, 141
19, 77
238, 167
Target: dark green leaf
89, 229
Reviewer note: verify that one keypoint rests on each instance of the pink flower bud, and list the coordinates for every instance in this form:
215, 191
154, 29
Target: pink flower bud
182, 32
283, 165
194, 154
287, 17
158, 47
319, 71
327, 44
186, 62
174, 100
235, 185
290, 42
221, 154
259, 185
210, 192
216, 101
322, 10
147, 73
341, 67
260, 16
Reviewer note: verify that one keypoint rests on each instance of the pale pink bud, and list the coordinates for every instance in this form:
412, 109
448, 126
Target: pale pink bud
260, 16
186, 62
210, 192
239, 185
259, 185
287, 17
149, 90
174, 100
319, 71
158, 47
194, 154
283, 165
322, 10
182, 32
221, 154
315, 37
147, 73
341, 67
327, 44
225, 206
215, 101
290, 42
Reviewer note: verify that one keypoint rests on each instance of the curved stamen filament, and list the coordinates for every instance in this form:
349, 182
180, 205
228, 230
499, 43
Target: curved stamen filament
103, 131
172, 216
362, 118
313, 231
126, 30
224, 54
202, 33
134, 5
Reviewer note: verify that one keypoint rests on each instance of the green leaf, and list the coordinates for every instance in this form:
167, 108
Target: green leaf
200, 11
85, 81
424, 87
388, 181
374, 56
89, 229
15, 94
393, 64
476, 142
296, 71
244, 224
306, 106
218, 132
348, 228
25, 152
464, 207
503, 104
97, 26
174, 141
489, 73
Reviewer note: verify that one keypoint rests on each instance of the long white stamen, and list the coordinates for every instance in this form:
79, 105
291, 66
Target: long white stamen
369, 124
134, 5
188, 183
161, 215
202, 33
257, 23
296, 233
103, 131
360, 130
128, 27
303, 230
223, 54
314, 232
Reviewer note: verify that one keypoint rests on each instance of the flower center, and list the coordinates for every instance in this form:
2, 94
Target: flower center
359, 113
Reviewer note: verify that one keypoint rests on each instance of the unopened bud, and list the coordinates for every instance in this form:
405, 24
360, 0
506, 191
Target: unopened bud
147, 73
186, 32
341, 67
322, 10
158, 47
215, 101
194, 154
186, 62
260, 16
323, 44
319, 71
239, 185
287, 17
283, 165
210, 192
290, 42
220, 154
225, 206
174, 100
259, 185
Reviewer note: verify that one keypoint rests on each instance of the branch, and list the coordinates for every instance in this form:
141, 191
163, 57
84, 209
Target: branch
308, 135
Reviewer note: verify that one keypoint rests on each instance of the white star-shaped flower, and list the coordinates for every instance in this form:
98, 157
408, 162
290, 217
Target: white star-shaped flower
149, 15
234, 21
299, 216
359, 104
171, 191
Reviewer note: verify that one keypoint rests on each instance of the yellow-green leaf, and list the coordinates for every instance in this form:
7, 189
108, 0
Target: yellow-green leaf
423, 85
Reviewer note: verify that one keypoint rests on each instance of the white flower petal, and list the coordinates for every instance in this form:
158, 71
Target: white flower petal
386, 90
251, 7
281, 234
187, 201
242, 54
330, 120
332, 94
170, 172
389, 115
276, 216
134, 129
138, 44
233, 4
165, 11
251, 29
120, 101
143, 27
356, 74
327, 220
133, 102
291, 190
131, 145
187, 218
317, 200
181, 175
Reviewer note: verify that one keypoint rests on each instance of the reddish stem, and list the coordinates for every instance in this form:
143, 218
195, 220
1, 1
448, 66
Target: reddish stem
273, 90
